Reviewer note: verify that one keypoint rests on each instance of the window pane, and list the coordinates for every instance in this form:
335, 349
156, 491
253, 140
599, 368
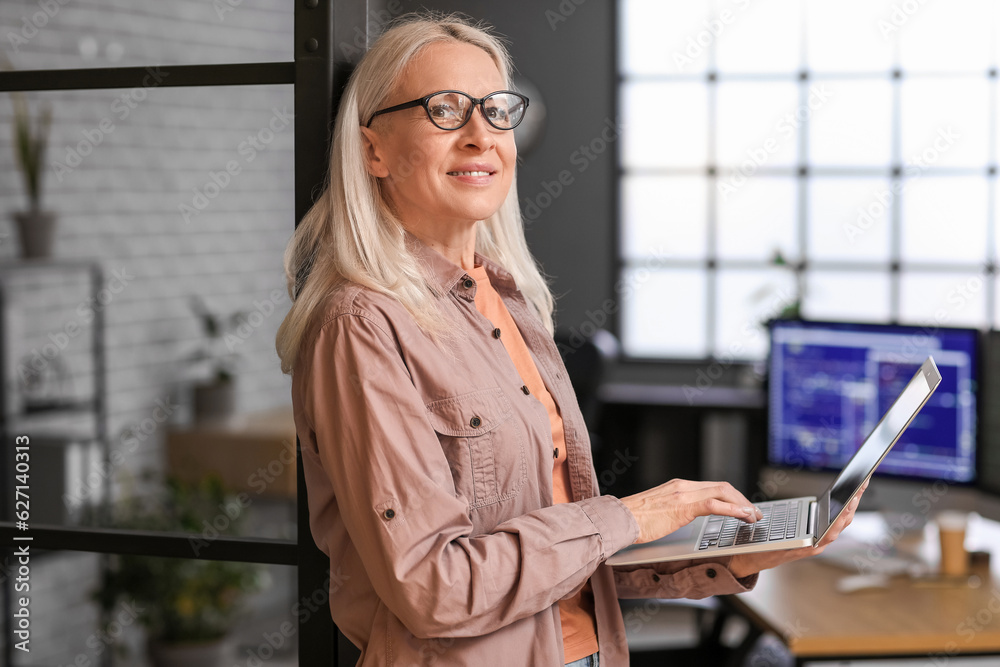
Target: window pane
664, 217
664, 37
66, 627
188, 194
667, 124
832, 25
850, 219
944, 122
106, 33
848, 295
761, 37
853, 126
945, 36
758, 124
944, 219
759, 219
745, 300
663, 312
946, 299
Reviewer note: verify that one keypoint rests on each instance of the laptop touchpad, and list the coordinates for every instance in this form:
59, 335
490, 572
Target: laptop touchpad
683, 534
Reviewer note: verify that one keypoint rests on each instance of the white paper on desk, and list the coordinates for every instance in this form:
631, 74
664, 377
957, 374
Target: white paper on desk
867, 558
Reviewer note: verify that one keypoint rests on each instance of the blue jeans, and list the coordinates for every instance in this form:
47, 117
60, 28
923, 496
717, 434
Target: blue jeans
590, 661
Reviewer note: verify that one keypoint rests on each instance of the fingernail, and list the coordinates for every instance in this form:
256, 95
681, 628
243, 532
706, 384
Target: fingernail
748, 511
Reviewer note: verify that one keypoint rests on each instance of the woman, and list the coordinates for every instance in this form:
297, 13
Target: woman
447, 464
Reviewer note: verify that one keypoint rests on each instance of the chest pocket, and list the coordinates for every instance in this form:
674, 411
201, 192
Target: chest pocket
483, 443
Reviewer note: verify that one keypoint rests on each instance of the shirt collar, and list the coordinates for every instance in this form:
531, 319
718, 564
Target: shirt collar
445, 276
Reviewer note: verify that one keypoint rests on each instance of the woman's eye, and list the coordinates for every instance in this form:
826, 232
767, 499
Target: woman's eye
442, 111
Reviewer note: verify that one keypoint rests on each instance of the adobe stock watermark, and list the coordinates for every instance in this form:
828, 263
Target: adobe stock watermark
376, 20
31, 26
580, 159
705, 378
253, 320
248, 149
303, 610
917, 346
580, 333
899, 15
916, 165
39, 359
621, 464
785, 129
562, 12
121, 108
131, 438
233, 508
900, 525
971, 626
104, 639
711, 30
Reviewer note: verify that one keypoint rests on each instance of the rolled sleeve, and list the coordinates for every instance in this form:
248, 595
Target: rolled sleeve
398, 502
692, 579
615, 524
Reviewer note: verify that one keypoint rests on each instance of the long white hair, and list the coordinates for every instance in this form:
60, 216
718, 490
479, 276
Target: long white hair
351, 234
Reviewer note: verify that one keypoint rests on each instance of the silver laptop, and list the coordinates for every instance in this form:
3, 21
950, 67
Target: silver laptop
796, 522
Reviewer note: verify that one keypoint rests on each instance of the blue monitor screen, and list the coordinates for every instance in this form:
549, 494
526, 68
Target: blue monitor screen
830, 383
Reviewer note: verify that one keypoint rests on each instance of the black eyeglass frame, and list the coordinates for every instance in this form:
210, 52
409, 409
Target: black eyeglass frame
476, 102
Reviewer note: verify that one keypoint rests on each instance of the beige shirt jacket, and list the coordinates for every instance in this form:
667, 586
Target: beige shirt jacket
429, 479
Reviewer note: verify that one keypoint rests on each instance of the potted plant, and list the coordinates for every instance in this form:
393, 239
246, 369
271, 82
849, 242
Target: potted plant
215, 361
35, 225
188, 606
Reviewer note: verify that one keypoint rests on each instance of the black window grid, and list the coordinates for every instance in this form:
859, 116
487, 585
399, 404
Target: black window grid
317, 73
803, 171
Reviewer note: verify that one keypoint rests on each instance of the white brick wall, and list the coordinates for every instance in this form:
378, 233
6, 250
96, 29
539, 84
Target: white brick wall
120, 206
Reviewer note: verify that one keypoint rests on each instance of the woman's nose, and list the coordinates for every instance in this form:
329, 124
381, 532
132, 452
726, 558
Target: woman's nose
478, 132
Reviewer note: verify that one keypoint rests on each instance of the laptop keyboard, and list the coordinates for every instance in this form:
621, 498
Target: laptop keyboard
780, 522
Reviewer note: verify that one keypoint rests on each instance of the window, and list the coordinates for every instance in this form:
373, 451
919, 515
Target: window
836, 157
185, 139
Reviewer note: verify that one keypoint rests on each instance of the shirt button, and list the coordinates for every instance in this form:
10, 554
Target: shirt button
496, 332
555, 453
475, 422
525, 389
656, 577
388, 514
710, 573
468, 283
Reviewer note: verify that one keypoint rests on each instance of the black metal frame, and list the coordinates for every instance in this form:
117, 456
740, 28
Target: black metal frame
317, 79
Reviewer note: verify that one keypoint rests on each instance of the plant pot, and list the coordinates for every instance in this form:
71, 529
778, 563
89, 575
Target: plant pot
208, 653
37, 231
214, 401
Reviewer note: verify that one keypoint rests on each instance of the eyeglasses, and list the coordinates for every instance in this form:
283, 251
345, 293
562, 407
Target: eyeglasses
452, 109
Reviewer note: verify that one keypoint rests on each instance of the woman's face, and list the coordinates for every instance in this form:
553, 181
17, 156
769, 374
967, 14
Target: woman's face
438, 178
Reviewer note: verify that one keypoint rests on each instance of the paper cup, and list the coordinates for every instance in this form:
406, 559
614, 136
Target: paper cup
954, 557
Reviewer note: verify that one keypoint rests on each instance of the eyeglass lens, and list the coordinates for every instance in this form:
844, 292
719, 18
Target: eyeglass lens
450, 110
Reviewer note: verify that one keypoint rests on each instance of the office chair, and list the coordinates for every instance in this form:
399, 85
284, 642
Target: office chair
587, 361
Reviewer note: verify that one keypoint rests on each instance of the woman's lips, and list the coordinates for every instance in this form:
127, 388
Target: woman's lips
474, 175
470, 173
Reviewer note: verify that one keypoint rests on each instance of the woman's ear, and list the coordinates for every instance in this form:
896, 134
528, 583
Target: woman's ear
371, 145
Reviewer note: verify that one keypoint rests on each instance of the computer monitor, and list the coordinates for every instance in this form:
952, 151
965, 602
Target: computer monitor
829, 382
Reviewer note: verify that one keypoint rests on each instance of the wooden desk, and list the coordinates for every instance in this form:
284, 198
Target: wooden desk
799, 603
252, 453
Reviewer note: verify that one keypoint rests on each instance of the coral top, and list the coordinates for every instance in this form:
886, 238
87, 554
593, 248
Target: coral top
576, 612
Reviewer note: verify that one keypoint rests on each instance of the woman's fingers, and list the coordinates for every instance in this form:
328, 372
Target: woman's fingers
665, 508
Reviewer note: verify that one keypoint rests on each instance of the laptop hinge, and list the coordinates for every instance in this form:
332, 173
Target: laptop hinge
811, 521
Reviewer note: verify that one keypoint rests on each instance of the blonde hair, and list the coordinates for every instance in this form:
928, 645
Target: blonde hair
351, 235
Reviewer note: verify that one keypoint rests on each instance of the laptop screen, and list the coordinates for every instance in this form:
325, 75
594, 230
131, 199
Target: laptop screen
882, 437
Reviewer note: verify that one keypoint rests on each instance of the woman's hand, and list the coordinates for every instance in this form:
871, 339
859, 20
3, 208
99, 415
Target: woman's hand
667, 507
743, 565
